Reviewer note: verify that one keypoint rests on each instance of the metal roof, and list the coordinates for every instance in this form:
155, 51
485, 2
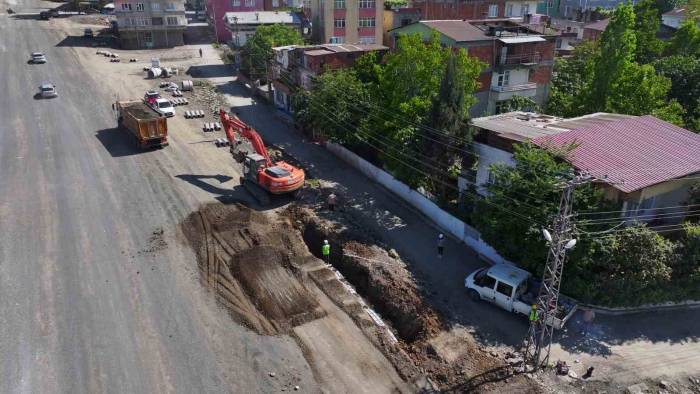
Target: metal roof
519, 126
591, 120
631, 153
600, 25
509, 274
521, 39
458, 30
680, 12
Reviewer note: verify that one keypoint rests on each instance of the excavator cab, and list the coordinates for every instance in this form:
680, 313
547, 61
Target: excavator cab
252, 165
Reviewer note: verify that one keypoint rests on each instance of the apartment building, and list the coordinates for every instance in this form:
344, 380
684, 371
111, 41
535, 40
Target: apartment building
150, 23
455, 9
519, 59
294, 66
346, 21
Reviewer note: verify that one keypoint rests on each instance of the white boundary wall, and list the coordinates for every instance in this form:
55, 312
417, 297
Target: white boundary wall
444, 220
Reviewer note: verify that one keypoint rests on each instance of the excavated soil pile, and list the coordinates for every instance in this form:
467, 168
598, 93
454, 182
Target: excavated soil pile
249, 262
380, 278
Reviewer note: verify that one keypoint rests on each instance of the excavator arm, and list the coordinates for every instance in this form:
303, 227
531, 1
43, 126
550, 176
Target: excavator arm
232, 123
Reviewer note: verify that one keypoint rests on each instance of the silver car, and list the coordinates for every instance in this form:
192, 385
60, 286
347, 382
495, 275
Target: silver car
48, 90
38, 58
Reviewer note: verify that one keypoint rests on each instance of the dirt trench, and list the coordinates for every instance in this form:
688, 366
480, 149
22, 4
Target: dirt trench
251, 263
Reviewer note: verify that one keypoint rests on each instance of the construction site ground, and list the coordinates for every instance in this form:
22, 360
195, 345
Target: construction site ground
240, 297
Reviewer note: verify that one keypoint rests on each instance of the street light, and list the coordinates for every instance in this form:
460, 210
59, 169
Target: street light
547, 235
570, 244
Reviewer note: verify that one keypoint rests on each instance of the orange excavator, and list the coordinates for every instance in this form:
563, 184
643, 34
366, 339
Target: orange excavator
261, 176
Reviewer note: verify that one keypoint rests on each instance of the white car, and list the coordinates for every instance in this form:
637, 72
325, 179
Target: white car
164, 107
48, 90
38, 58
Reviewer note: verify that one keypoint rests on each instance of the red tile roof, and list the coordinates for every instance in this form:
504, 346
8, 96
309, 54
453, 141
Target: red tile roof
632, 153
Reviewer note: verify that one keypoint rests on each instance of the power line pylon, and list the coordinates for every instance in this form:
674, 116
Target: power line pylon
539, 335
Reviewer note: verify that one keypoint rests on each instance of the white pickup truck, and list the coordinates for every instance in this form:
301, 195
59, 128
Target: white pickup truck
514, 290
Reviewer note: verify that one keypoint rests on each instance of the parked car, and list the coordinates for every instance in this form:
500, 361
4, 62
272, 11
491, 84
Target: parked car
87, 33
38, 58
164, 107
48, 90
44, 15
514, 290
151, 96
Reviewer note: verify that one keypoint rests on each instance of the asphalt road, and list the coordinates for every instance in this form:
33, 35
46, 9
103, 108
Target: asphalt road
87, 303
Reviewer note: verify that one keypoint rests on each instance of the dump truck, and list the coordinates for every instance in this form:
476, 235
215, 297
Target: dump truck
148, 126
514, 290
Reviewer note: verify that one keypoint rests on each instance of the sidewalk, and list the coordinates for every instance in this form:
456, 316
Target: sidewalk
617, 345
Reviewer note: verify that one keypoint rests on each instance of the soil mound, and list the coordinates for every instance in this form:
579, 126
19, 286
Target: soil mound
249, 262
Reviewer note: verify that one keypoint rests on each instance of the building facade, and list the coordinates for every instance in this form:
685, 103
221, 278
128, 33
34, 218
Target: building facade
453, 9
346, 21
216, 11
150, 23
518, 59
294, 67
242, 25
593, 31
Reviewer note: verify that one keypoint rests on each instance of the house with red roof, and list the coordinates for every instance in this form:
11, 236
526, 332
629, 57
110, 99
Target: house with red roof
643, 162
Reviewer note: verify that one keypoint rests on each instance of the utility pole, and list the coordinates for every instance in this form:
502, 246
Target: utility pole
539, 336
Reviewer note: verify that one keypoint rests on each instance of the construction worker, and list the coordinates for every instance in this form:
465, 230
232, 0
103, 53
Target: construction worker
533, 313
331, 202
326, 251
441, 245
200, 52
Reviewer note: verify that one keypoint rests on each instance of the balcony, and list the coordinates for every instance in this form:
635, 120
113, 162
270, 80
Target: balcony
501, 93
519, 60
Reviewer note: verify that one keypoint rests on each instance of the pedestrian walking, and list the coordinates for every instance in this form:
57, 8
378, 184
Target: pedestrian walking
441, 245
533, 313
326, 251
589, 373
200, 52
331, 202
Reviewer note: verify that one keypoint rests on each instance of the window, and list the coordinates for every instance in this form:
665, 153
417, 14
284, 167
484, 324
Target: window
172, 20
493, 10
339, 23
492, 175
567, 10
155, 6
148, 37
367, 40
367, 22
235, 3
509, 10
170, 6
140, 7
366, 3
157, 21
339, 4
249, 3
126, 6
503, 78
558, 43
275, 3
337, 40
504, 289
524, 9
485, 281
647, 203
631, 209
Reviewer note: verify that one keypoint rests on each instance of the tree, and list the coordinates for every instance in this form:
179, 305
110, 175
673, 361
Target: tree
646, 25
335, 116
449, 113
686, 41
520, 103
570, 80
257, 51
684, 73
617, 48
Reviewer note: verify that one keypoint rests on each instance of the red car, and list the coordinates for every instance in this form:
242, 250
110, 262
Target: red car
150, 97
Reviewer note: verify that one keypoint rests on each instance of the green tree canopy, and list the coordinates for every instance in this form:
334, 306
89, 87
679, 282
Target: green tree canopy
686, 41
647, 21
257, 51
684, 73
570, 79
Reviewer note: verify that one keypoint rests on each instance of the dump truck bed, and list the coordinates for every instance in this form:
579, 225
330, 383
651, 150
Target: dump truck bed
149, 127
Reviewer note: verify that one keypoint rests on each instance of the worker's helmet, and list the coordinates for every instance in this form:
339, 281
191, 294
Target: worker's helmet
534, 306
441, 236
325, 242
